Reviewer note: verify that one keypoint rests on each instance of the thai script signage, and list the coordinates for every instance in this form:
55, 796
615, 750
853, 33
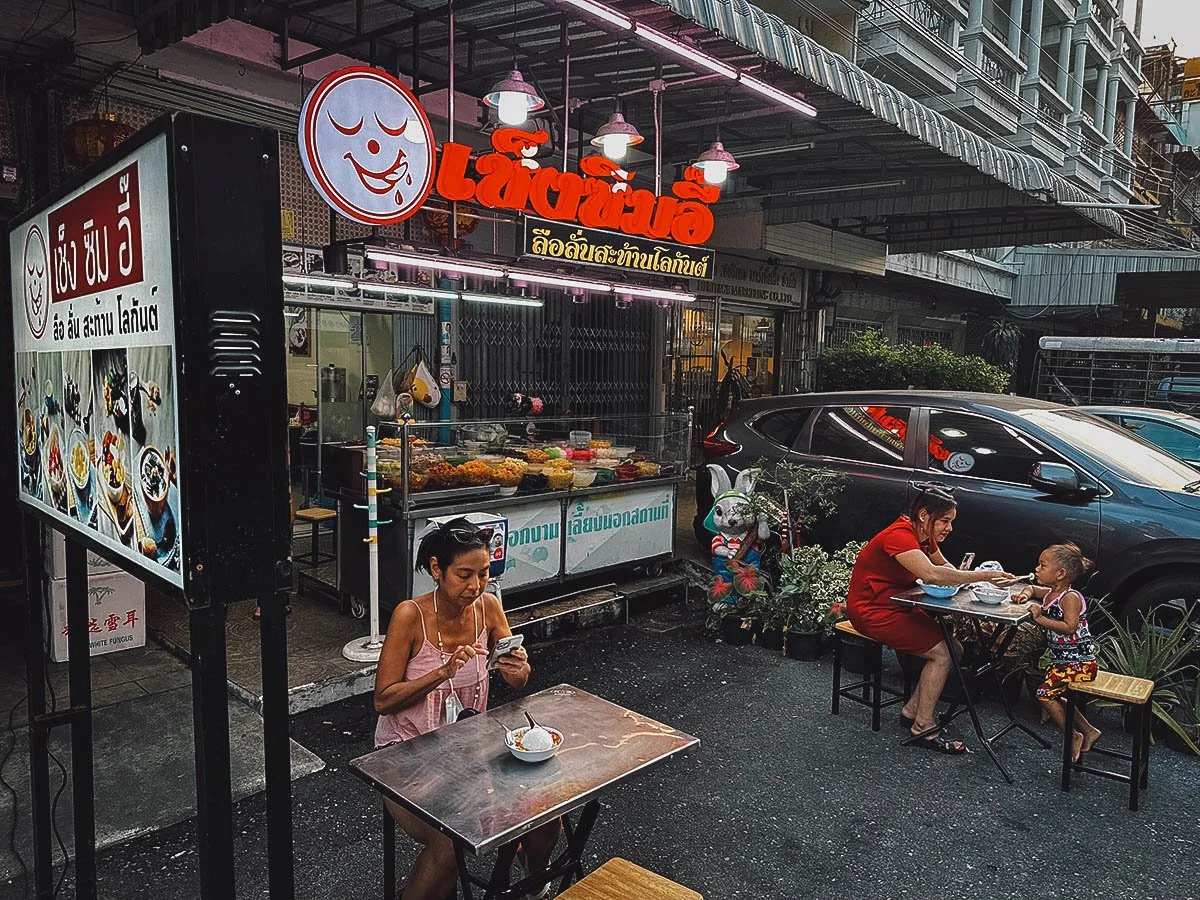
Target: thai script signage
94, 329
534, 538
369, 151
611, 529
573, 244
755, 281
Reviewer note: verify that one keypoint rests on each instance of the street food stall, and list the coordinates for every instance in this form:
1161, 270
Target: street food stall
577, 497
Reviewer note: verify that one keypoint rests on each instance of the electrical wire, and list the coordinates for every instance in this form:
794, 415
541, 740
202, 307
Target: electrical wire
12, 830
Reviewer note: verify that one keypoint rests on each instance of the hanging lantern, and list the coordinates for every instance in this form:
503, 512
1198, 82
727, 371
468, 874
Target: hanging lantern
86, 140
514, 99
438, 223
716, 163
616, 136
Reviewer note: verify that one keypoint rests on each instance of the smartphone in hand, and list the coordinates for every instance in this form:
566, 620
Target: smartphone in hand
504, 647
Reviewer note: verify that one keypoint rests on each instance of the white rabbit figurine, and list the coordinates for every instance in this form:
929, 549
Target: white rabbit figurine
732, 520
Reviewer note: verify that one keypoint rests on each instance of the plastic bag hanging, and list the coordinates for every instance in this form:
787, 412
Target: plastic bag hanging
385, 401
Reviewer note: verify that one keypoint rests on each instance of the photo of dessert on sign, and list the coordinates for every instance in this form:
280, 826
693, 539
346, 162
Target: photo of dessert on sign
110, 428
153, 440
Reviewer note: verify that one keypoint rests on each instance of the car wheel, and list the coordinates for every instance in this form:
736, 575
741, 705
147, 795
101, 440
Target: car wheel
1165, 602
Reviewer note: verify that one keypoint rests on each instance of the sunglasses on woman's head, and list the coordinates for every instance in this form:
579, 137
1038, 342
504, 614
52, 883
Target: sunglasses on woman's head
466, 535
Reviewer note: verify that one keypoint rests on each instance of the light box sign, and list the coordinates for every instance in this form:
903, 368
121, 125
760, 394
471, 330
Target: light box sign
370, 153
150, 370
94, 333
572, 244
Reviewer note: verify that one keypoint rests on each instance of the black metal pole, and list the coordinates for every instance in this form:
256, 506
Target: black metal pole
210, 716
80, 678
276, 739
36, 625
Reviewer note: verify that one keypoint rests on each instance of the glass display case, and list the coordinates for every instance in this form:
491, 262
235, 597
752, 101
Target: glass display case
572, 496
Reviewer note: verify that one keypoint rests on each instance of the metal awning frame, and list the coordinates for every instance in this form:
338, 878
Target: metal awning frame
958, 189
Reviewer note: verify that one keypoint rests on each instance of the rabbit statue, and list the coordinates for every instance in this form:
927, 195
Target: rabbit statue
733, 522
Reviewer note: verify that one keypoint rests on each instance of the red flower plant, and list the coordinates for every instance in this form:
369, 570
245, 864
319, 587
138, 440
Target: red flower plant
745, 579
719, 590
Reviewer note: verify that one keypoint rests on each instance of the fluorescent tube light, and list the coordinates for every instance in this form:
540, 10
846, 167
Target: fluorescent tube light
401, 290
436, 263
559, 281
604, 13
501, 299
654, 293
696, 57
774, 93
321, 281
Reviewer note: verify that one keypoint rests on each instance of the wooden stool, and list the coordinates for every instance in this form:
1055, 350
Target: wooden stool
316, 515
871, 687
619, 879
1134, 693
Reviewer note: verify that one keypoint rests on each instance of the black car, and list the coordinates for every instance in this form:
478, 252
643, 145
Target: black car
1027, 474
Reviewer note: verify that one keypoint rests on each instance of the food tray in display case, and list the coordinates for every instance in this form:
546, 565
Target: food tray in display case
427, 464
579, 496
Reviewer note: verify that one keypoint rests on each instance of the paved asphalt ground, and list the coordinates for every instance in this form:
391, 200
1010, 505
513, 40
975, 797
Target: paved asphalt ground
782, 800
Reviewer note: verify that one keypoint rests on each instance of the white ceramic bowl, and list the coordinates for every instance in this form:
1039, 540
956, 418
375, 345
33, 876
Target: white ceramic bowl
513, 738
990, 594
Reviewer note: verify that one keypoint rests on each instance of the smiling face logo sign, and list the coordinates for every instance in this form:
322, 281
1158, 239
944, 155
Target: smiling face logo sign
367, 146
36, 272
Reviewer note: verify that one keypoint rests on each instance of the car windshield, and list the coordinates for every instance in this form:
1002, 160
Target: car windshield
1115, 448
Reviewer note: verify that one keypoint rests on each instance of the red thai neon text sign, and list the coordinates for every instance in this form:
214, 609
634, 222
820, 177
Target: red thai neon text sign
509, 179
369, 151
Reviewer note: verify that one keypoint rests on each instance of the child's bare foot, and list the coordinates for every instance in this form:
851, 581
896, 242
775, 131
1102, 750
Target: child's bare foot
1090, 739
1076, 746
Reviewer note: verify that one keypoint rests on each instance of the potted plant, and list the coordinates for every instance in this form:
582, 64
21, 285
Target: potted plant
791, 497
810, 593
736, 601
1165, 657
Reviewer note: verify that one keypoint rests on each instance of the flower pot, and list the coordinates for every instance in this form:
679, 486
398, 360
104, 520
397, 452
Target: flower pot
771, 639
804, 644
737, 630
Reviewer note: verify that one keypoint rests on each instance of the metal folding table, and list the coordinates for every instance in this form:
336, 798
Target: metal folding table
462, 780
993, 644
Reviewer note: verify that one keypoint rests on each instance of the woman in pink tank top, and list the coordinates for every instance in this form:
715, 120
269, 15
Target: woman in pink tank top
433, 669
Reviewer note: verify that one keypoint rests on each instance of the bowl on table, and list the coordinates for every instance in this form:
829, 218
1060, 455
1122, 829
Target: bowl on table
940, 591
989, 593
514, 740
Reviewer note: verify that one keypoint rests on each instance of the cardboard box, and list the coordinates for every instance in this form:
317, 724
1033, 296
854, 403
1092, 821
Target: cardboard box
117, 614
55, 548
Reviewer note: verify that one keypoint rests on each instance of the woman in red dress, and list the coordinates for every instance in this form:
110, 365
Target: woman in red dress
890, 564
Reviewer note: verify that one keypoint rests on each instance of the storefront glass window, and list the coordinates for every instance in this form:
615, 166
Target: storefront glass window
748, 341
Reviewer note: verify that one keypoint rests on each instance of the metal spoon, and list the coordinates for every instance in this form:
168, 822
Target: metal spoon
507, 731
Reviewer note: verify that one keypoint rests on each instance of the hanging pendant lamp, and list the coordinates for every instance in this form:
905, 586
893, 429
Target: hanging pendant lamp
716, 163
514, 99
616, 136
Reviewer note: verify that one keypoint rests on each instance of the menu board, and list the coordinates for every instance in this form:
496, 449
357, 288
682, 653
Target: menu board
96, 386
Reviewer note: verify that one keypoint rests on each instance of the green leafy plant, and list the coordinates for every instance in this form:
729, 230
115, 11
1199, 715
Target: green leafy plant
1186, 713
1164, 657
811, 589
1002, 344
799, 494
741, 595
870, 362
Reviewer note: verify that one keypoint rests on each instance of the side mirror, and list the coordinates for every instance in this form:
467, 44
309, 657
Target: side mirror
1055, 478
